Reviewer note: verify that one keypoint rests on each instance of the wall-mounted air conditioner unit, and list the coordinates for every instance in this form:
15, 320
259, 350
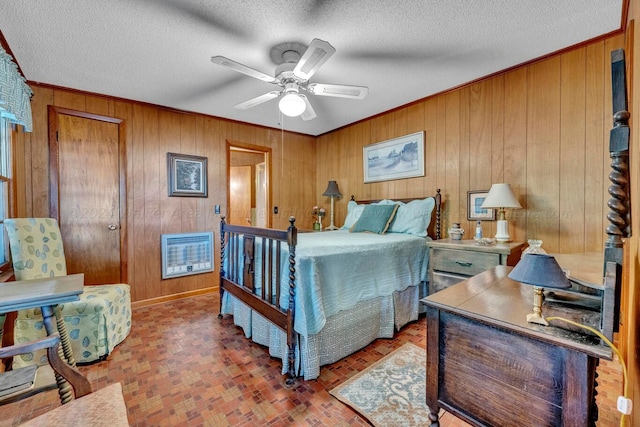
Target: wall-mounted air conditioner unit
186, 253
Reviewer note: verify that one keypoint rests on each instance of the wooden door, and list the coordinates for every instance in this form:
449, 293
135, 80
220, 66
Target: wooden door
241, 191
248, 167
87, 186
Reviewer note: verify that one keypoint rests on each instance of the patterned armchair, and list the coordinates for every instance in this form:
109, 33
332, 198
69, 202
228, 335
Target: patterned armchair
95, 324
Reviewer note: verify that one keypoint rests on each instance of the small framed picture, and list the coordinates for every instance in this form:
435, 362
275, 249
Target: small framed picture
475, 211
187, 175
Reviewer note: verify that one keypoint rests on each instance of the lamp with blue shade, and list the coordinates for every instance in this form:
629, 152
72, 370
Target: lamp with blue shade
541, 271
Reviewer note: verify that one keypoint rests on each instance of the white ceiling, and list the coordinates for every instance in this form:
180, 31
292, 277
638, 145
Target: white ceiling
160, 51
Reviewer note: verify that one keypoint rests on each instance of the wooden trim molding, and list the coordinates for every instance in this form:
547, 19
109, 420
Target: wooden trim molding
267, 151
173, 297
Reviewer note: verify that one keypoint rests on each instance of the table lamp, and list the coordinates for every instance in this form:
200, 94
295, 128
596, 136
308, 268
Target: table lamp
541, 271
500, 197
333, 192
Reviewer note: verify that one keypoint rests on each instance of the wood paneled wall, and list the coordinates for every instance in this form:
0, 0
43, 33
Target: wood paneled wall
151, 132
543, 128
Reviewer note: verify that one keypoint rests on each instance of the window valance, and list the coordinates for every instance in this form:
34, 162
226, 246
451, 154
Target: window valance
15, 94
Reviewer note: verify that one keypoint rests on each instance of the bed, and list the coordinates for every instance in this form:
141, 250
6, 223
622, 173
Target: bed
313, 298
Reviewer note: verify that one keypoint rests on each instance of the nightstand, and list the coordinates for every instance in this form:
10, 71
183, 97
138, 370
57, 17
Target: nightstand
451, 261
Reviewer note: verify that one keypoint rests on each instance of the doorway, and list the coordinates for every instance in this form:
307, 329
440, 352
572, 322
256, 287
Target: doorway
87, 192
248, 189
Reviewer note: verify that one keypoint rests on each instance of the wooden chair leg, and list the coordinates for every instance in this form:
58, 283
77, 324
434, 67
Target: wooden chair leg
64, 351
7, 338
81, 386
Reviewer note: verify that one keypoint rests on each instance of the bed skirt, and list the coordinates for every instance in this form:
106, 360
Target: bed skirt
343, 334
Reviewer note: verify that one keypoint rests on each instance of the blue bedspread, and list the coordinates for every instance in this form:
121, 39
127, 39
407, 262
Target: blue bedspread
336, 270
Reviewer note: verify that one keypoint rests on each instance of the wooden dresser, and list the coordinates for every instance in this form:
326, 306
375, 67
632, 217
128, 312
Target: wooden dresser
451, 261
488, 366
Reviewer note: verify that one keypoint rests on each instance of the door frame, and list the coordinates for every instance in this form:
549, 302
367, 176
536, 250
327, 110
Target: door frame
54, 172
267, 160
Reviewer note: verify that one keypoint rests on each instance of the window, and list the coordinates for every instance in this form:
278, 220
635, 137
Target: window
5, 181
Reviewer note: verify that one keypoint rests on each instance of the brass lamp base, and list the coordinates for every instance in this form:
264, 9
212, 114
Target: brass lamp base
536, 316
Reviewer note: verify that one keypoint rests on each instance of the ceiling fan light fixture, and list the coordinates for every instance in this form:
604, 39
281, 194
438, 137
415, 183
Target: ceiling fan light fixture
292, 104
296, 64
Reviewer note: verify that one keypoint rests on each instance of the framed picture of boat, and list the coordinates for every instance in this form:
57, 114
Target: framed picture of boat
396, 158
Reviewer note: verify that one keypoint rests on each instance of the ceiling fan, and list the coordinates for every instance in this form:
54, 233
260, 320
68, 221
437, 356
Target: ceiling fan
296, 63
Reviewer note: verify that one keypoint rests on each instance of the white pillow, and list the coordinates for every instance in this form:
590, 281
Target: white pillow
354, 211
385, 202
413, 217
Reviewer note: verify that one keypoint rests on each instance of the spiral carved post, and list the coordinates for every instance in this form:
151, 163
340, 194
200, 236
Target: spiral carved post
619, 215
619, 208
222, 252
292, 336
438, 207
619, 204
65, 342
595, 413
65, 391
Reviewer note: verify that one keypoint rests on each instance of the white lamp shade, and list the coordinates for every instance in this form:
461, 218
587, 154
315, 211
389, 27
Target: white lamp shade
500, 196
292, 105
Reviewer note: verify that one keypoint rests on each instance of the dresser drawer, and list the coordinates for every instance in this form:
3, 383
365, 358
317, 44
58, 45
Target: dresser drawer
439, 281
468, 263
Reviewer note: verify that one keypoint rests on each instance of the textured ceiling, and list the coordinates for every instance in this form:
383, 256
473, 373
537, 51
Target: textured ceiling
160, 51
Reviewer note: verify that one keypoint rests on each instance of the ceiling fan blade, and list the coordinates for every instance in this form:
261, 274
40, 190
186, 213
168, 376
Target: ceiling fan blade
312, 59
308, 113
206, 17
236, 66
340, 91
257, 100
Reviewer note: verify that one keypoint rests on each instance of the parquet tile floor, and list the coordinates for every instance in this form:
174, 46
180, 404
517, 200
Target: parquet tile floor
181, 366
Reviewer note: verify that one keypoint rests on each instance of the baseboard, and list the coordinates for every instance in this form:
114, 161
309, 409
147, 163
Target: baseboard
173, 297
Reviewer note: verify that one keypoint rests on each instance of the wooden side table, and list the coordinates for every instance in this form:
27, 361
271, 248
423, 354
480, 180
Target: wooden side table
488, 366
451, 261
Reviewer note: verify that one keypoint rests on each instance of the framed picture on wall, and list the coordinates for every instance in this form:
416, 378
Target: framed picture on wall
396, 158
187, 175
475, 211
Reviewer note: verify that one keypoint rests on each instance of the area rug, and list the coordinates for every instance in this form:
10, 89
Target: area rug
391, 392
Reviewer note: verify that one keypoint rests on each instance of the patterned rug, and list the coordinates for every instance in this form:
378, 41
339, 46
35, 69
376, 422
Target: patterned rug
391, 392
